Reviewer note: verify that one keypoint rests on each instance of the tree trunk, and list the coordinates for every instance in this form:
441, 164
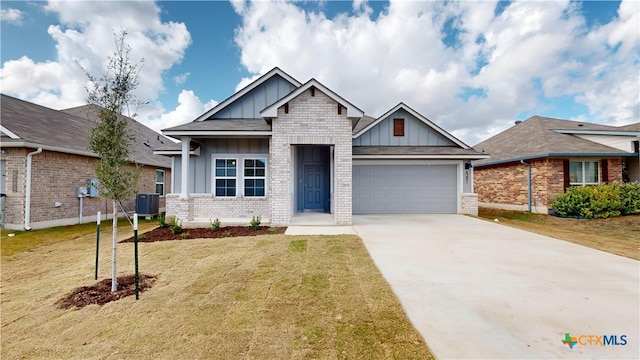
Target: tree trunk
114, 268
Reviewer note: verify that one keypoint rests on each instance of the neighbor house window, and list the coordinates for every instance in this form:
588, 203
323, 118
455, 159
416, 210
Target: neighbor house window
398, 127
225, 177
254, 177
160, 182
583, 173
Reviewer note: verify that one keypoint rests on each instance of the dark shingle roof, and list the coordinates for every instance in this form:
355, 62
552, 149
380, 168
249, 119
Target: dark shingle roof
535, 137
223, 125
68, 130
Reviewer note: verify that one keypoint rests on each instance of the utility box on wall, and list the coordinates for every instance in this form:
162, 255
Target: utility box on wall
92, 188
148, 204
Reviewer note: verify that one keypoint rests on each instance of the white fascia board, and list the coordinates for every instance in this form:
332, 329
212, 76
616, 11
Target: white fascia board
9, 133
196, 133
455, 157
176, 152
419, 117
246, 89
272, 111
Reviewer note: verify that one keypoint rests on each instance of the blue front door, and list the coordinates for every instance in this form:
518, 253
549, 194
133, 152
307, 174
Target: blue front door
314, 187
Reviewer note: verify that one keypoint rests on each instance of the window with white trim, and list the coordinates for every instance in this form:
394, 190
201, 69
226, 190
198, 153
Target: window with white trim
583, 173
254, 177
225, 177
160, 182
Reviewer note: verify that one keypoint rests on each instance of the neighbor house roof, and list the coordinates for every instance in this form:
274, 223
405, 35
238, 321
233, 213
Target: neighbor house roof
539, 137
67, 131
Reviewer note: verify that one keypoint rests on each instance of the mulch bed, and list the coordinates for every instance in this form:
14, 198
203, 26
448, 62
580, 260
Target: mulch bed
101, 294
165, 233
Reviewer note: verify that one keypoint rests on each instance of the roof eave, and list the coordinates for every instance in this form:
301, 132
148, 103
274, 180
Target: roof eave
178, 133
538, 156
400, 156
600, 132
23, 144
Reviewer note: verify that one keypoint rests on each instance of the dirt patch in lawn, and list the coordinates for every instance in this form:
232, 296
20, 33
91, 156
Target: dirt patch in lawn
165, 233
101, 293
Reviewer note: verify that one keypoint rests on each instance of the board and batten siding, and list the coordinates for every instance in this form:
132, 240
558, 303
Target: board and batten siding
200, 167
256, 100
416, 133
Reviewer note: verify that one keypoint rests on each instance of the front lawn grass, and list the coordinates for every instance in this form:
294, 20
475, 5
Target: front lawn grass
265, 297
28, 240
617, 235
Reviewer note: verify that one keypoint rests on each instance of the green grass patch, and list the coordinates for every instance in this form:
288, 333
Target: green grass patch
298, 245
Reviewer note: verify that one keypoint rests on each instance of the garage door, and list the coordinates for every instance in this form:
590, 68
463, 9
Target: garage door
404, 189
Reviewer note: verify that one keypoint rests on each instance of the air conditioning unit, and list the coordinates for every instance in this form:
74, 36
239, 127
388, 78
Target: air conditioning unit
148, 204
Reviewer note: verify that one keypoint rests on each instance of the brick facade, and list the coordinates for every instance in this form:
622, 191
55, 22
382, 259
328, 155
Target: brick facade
311, 120
54, 178
505, 185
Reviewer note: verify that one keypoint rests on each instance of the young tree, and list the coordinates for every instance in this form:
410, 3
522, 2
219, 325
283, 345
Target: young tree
110, 138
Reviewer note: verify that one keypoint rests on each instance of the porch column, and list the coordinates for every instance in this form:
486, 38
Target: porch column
184, 193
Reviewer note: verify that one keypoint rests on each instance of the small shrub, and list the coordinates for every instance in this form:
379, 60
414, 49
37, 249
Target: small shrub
226, 234
162, 220
255, 222
273, 229
598, 201
185, 235
176, 226
215, 224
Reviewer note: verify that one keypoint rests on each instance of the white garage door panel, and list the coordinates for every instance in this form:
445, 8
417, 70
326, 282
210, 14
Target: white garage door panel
404, 189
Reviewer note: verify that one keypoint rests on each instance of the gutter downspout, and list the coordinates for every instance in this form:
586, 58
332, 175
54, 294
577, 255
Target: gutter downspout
27, 198
528, 183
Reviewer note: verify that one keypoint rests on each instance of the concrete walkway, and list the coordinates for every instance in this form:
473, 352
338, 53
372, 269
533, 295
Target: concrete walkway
480, 290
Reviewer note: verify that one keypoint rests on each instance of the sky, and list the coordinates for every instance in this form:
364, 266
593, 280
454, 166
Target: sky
472, 67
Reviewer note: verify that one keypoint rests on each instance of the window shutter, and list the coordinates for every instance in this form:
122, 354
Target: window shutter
604, 165
398, 127
565, 170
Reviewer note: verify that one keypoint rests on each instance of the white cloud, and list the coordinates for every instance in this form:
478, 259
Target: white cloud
530, 51
11, 16
181, 79
85, 38
189, 107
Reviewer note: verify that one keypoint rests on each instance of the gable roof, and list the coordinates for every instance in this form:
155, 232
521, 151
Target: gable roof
272, 110
67, 132
247, 89
540, 136
361, 129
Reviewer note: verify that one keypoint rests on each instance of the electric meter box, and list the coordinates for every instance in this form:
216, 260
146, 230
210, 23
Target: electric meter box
92, 188
81, 191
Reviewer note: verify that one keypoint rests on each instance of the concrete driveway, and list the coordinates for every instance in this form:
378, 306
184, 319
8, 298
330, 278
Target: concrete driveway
480, 290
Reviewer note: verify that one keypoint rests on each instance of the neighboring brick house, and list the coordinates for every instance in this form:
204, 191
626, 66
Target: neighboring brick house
278, 148
44, 158
559, 153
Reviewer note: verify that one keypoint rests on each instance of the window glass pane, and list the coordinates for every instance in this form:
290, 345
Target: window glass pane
591, 172
260, 172
231, 163
260, 163
219, 163
248, 163
249, 172
160, 189
260, 183
159, 176
259, 191
575, 172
